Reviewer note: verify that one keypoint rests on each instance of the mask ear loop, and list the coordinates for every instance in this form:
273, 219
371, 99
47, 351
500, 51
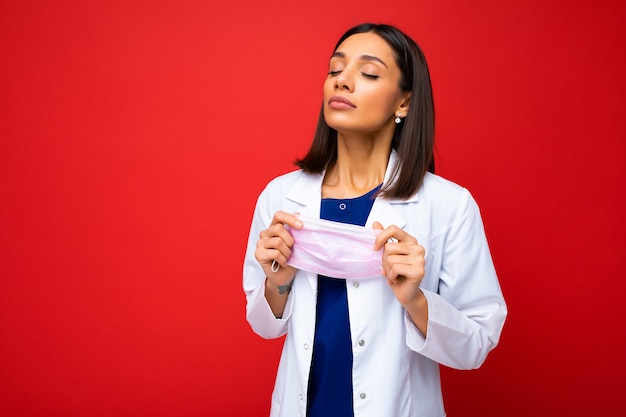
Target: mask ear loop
275, 266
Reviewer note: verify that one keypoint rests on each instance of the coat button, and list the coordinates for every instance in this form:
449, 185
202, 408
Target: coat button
361, 342
306, 346
362, 395
356, 284
301, 397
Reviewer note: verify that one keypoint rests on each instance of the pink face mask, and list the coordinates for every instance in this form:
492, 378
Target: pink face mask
334, 249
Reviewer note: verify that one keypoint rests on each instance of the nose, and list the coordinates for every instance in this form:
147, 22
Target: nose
344, 81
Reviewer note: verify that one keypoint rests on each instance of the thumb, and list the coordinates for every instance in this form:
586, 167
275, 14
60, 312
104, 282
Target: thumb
378, 226
379, 241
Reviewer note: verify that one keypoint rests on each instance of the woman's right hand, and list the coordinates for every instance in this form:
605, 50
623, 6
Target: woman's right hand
274, 247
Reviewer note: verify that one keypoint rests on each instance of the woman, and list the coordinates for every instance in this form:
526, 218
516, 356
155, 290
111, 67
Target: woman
372, 346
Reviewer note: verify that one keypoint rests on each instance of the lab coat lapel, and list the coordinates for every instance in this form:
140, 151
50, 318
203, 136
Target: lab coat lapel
383, 210
306, 192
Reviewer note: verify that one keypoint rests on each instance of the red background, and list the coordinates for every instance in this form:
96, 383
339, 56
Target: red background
135, 137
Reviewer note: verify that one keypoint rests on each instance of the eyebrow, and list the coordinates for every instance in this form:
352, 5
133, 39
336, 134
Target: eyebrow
362, 57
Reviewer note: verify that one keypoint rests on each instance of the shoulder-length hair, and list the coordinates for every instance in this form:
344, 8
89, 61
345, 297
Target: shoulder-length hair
414, 136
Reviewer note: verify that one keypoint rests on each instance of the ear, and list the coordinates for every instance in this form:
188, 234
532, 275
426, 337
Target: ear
403, 107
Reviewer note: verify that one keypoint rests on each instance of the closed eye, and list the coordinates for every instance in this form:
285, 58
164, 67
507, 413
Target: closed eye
373, 77
333, 72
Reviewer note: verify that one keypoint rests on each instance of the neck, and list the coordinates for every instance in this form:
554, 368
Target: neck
360, 166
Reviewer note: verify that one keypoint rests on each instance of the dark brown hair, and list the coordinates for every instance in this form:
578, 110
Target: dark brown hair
414, 137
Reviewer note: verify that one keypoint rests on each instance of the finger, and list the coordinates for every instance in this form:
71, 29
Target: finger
287, 219
402, 235
398, 272
405, 270
377, 226
267, 257
392, 233
384, 236
273, 232
281, 245
412, 250
273, 240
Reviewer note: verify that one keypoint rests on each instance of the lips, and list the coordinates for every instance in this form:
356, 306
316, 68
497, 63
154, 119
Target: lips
339, 102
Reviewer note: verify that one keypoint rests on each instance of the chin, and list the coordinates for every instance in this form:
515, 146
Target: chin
338, 121
343, 127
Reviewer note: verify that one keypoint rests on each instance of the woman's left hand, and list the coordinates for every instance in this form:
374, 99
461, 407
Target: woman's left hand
402, 264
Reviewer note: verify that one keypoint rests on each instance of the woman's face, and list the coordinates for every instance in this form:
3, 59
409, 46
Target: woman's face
361, 92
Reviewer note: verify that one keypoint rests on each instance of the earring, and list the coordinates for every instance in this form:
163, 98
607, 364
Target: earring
397, 119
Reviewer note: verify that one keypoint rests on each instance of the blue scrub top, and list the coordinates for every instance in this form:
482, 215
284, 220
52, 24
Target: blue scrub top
330, 380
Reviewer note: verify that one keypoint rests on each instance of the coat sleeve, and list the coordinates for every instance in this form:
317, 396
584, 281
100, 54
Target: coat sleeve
258, 312
467, 313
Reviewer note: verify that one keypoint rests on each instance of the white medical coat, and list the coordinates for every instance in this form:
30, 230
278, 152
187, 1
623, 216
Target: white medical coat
395, 369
